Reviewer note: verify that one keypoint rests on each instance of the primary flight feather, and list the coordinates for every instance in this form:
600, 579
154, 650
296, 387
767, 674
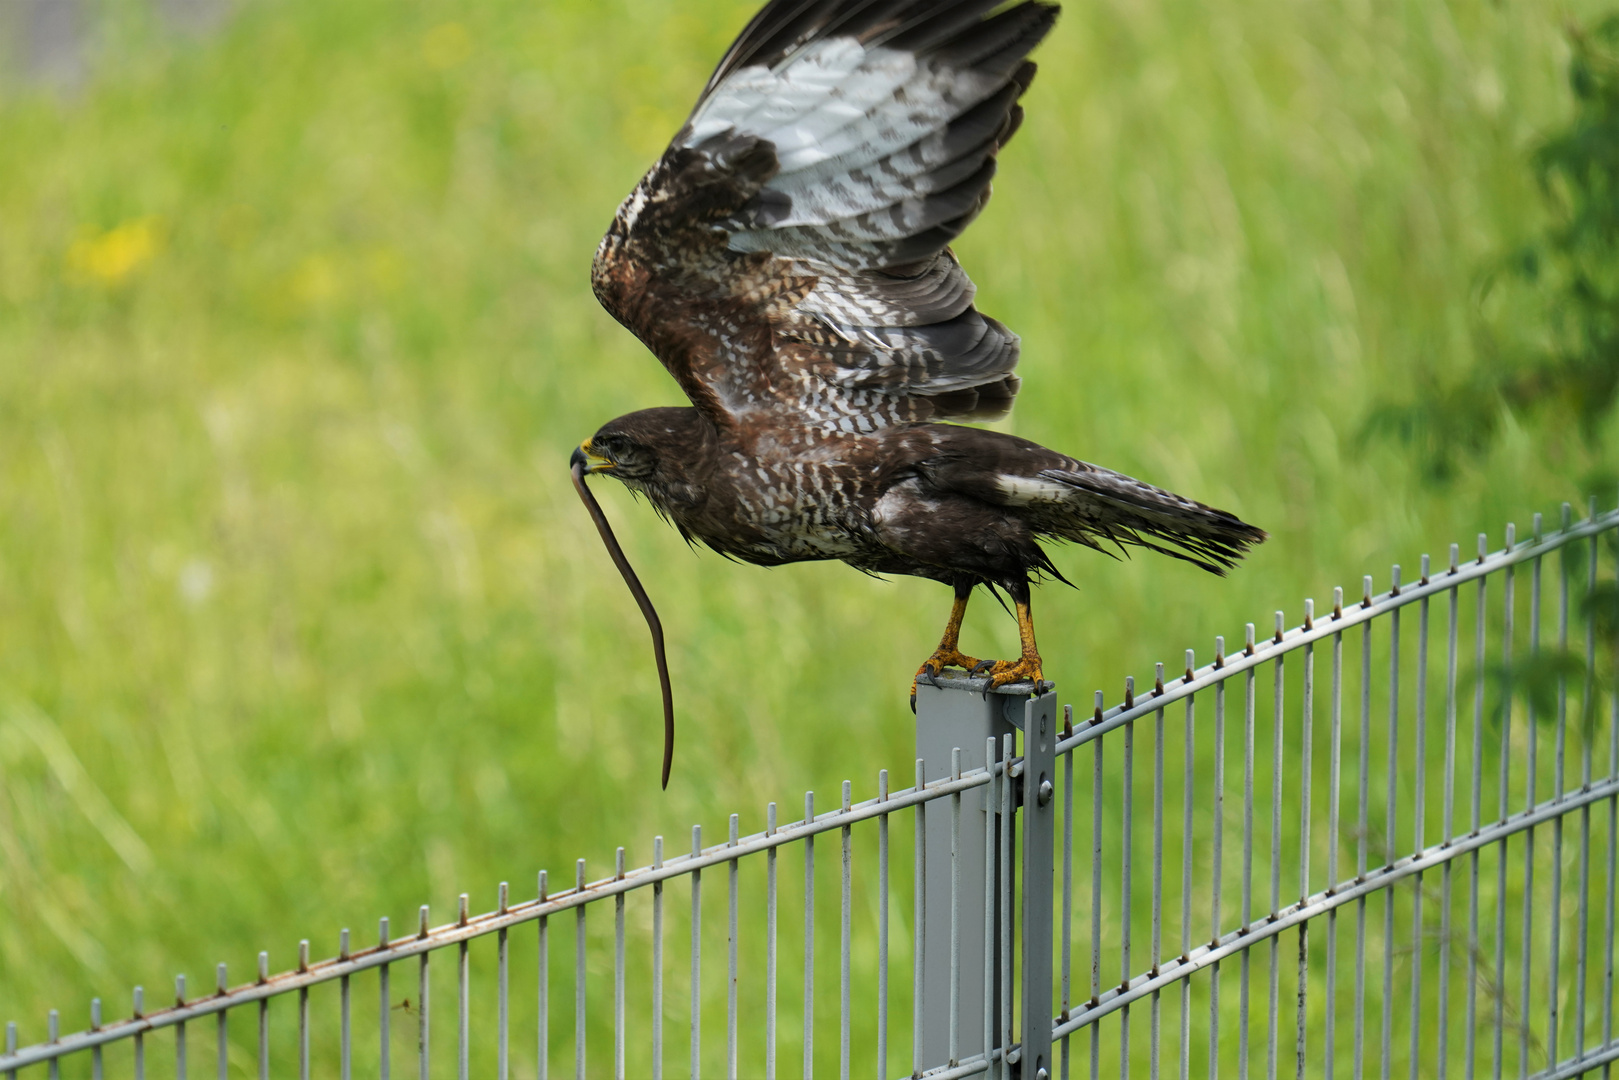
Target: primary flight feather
788, 261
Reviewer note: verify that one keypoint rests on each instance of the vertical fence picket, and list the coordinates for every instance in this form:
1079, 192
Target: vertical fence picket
1418, 815
1334, 779
882, 927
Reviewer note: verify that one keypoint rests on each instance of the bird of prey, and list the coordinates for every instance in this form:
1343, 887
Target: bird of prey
788, 261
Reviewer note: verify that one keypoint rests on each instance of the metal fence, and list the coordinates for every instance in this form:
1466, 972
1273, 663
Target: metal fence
1410, 854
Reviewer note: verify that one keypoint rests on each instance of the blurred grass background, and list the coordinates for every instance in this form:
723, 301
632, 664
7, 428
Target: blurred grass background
300, 621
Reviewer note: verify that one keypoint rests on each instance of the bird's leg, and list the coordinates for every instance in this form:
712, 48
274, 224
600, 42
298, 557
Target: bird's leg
947, 654
1027, 667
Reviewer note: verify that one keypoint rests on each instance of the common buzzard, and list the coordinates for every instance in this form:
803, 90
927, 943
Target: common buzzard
788, 261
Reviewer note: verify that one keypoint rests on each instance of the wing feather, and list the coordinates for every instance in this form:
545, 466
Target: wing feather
838, 149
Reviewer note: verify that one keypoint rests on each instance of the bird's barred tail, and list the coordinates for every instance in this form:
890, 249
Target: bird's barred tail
1108, 507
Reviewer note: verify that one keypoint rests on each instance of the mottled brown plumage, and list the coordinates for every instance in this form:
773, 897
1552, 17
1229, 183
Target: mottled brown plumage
787, 260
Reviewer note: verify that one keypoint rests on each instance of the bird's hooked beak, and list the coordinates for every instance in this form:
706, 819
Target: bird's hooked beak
587, 460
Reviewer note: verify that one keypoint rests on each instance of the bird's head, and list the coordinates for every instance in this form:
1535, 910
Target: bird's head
659, 451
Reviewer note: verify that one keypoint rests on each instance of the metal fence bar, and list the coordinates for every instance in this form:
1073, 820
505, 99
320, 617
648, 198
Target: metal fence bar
1306, 762
1189, 745
770, 945
657, 961
882, 928
695, 1037
618, 975
1247, 853
955, 914
1448, 818
731, 954
1587, 732
1067, 922
1274, 1001
384, 1009
1362, 832
1531, 775
1498, 1028
1386, 1061
1334, 779
844, 929
503, 974
919, 922
1127, 900
1004, 912
543, 972
1215, 876
1611, 906
1476, 791
991, 801
423, 988
463, 1001
1096, 891
1553, 954
1419, 812
809, 940
264, 1026
1157, 875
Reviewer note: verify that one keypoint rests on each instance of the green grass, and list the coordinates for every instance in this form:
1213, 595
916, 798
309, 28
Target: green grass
300, 620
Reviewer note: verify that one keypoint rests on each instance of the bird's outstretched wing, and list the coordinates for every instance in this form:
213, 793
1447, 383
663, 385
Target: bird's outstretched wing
788, 255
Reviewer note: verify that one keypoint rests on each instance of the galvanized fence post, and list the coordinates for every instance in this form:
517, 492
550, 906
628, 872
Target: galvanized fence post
955, 721
1039, 838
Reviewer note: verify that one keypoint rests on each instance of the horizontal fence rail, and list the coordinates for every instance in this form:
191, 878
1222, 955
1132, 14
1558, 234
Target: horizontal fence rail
1408, 857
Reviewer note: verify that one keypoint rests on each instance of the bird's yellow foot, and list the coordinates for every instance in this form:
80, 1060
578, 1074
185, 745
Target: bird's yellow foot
941, 659
1005, 672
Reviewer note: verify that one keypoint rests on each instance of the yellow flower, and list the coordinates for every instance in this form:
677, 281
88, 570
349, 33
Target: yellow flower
112, 256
